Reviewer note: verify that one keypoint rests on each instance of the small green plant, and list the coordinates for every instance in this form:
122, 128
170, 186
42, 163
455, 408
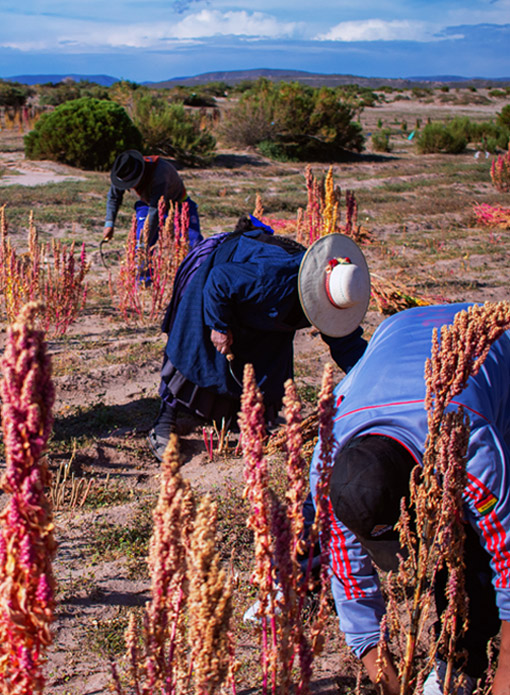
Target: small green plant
106, 636
85, 132
437, 137
381, 140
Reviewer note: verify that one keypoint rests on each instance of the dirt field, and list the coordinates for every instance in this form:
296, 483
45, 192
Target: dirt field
419, 210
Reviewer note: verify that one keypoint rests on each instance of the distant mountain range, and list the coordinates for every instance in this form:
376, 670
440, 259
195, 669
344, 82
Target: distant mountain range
104, 80
233, 77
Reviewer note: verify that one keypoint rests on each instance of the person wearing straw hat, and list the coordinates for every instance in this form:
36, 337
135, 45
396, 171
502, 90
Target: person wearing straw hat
152, 178
244, 304
380, 430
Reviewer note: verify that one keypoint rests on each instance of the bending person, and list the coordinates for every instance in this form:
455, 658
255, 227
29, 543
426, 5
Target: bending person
243, 304
151, 178
380, 428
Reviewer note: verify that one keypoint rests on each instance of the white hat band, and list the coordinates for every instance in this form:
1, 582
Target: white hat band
345, 283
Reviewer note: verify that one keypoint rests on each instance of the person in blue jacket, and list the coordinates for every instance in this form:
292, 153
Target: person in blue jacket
151, 178
242, 302
380, 429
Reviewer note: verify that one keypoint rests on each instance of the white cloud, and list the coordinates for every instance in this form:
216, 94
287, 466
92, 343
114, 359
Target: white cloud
380, 30
214, 23
85, 34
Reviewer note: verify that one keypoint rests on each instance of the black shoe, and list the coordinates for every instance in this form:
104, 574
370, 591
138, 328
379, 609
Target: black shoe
164, 426
157, 443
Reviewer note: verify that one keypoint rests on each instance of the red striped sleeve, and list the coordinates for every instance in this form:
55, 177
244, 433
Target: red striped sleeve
340, 562
493, 532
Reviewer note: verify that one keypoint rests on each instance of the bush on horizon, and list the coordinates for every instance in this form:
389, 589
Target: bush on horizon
86, 133
294, 122
14, 94
172, 131
54, 94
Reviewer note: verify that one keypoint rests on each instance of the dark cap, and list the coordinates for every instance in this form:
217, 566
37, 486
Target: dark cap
370, 477
127, 169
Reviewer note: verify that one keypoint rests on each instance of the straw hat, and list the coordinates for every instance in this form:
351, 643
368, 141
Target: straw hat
127, 169
334, 285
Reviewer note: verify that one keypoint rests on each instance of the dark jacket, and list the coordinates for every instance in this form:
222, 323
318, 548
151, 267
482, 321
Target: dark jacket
248, 284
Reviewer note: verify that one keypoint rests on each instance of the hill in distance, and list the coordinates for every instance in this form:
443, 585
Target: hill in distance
232, 77
321, 80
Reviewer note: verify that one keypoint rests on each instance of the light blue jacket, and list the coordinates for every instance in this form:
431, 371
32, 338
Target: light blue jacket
384, 394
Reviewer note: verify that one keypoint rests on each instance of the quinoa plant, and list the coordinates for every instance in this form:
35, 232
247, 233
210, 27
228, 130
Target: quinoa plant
492, 215
500, 172
183, 645
285, 638
49, 273
27, 544
143, 285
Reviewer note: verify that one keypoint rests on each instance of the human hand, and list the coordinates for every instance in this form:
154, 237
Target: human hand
501, 683
381, 670
108, 233
222, 341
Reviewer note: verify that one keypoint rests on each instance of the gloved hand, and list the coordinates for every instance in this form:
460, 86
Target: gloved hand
461, 684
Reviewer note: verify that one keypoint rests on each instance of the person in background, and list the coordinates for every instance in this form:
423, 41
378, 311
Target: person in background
151, 178
380, 430
239, 298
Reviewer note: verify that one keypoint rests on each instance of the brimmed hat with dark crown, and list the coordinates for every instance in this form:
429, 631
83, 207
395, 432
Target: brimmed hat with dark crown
370, 477
127, 169
334, 285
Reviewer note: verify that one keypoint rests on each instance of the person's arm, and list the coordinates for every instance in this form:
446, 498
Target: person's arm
346, 351
228, 285
501, 685
113, 203
381, 670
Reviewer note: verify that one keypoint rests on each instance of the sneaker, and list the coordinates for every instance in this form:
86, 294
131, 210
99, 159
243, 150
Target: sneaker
462, 684
252, 615
157, 444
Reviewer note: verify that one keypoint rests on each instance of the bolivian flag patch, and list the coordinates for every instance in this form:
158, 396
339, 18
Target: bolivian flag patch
486, 504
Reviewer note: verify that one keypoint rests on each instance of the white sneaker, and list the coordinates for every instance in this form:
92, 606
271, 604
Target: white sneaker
252, 615
462, 684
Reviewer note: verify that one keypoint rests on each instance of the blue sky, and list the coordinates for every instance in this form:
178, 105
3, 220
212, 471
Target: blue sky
152, 40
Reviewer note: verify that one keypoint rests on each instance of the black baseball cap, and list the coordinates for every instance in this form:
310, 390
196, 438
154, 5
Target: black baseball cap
370, 477
127, 169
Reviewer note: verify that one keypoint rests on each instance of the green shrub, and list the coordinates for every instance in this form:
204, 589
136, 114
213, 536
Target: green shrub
497, 93
437, 137
302, 122
503, 118
274, 150
485, 135
381, 140
172, 131
421, 92
86, 132
13, 94
54, 94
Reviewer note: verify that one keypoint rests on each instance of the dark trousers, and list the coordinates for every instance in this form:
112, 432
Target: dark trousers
484, 622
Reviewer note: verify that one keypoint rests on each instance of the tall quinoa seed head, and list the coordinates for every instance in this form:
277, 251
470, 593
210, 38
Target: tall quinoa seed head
27, 545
